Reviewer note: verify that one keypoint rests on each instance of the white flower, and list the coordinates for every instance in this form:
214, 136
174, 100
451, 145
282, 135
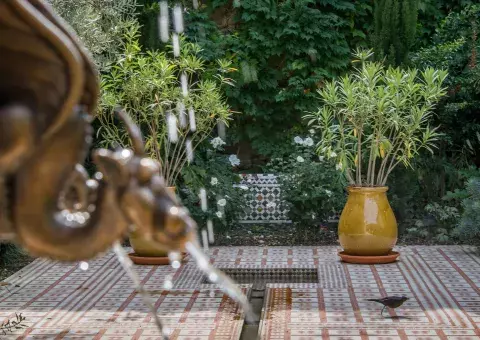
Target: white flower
321, 158
298, 140
300, 159
214, 181
222, 202
219, 214
308, 141
234, 160
313, 216
312, 131
328, 192
333, 154
228, 237
243, 187
339, 166
217, 142
271, 205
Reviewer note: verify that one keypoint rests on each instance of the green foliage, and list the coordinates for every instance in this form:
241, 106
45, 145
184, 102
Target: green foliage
469, 227
376, 118
395, 26
100, 24
438, 224
431, 13
455, 48
212, 171
312, 189
284, 50
147, 85
9, 253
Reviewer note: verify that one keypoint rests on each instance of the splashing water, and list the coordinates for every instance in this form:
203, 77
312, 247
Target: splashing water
178, 19
215, 276
205, 240
127, 265
172, 127
221, 130
163, 21
175, 259
189, 147
211, 237
191, 117
176, 46
182, 116
84, 265
203, 199
184, 84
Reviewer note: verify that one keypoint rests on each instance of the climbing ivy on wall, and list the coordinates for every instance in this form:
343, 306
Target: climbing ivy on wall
284, 51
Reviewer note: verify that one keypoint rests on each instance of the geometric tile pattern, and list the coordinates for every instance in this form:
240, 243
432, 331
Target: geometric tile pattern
441, 282
60, 301
264, 200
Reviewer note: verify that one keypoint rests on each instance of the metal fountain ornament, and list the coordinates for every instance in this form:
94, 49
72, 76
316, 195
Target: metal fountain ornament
48, 204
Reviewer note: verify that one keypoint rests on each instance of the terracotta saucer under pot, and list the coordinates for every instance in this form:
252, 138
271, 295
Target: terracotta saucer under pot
153, 260
389, 258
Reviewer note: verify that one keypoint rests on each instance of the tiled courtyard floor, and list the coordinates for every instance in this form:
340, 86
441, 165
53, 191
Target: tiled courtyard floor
61, 301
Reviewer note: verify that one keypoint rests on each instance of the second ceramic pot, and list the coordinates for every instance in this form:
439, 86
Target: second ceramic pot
146, 248
367, 225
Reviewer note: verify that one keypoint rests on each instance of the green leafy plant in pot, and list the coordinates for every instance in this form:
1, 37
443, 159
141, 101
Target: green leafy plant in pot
372, 120
148, 86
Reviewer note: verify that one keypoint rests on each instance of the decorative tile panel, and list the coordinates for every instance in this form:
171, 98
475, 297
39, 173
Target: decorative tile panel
265, 204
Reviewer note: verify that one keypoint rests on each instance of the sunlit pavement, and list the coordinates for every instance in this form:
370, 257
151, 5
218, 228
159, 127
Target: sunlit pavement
62, 301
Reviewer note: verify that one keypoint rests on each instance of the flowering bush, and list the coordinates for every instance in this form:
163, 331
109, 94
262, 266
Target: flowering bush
226, 199
311, 187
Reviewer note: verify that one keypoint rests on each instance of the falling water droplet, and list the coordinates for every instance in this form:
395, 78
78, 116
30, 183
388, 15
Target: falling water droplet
184, 84
211, 237
98, 176
192, 120
84, 265
175, 258
163, 21
221, 130
126, 153
189, 147
166, 332
223, 281
203, 199
127, 265
168, 284
213, 277
172, 127
176, 45
182, 116
178, 19
205, 240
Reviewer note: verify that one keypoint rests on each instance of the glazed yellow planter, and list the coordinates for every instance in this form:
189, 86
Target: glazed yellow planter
146, 248
367, 225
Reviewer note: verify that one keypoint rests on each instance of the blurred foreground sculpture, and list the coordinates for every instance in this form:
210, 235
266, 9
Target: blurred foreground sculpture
48, 94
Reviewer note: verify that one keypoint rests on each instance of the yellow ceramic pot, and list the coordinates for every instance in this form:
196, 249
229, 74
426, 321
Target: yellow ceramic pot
146, 248
367, 225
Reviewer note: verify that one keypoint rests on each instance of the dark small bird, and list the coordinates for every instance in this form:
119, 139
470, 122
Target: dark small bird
390, 302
